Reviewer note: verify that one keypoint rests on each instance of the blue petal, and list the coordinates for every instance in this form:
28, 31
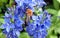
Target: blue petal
8, 28
34, 17
3, 26
7, 20
17, 33
12, 26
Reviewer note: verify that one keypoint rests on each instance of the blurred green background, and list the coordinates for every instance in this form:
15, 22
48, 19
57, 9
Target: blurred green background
53, 7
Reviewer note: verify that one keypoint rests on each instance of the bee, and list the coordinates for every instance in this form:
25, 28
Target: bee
29, 13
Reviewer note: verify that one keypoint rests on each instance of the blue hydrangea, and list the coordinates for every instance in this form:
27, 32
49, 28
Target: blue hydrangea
22, 5
14, 20
38, 28
12, 29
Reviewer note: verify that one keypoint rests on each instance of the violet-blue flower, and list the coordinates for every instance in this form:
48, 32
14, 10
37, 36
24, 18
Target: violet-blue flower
12, 25
14, 21
39, 25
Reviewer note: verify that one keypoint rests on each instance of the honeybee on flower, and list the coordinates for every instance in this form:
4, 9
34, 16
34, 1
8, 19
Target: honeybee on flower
29, 13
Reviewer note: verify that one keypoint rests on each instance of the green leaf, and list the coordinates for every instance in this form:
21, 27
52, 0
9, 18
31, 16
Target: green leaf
2, 35
59, 13
57, 27
24, 35
57, 30
56, 4
52, 11
58, 1
53, 36
1, 20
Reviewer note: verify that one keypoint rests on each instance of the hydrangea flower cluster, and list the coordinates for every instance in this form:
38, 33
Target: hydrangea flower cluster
12, 25
37, 25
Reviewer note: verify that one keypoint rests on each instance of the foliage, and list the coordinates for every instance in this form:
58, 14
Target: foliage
58, 1
55, 27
